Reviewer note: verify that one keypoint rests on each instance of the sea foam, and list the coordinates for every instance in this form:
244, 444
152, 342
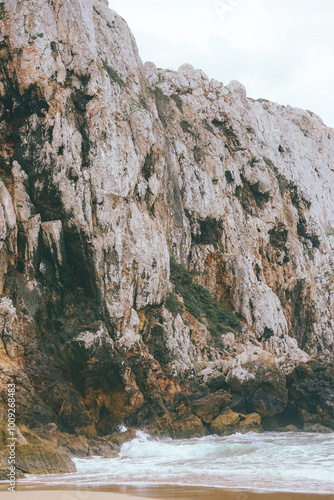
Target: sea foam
294, 462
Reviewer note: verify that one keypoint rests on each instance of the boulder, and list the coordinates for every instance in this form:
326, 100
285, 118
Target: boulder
225, 423
42, 459
251, 423
317, 428
78, 446
188, 427
103, 447
34, 455
289, 428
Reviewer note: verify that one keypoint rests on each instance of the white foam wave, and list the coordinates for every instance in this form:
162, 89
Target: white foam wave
273, 462
203, 448
122, 428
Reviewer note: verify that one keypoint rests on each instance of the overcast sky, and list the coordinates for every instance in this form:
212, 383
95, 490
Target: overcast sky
282, 50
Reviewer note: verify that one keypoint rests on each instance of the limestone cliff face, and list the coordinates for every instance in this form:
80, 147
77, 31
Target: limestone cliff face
110, 167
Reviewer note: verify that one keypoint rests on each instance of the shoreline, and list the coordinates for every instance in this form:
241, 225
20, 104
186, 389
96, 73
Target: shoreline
26, 491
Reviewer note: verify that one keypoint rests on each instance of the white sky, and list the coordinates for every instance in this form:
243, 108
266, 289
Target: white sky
282, 50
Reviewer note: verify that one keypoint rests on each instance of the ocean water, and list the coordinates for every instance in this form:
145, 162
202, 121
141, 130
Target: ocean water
294, 462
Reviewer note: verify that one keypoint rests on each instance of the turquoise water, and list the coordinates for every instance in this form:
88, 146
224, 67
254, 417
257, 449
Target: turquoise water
294, 462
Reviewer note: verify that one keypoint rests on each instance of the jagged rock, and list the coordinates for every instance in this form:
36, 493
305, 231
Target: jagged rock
51, 433
72, 445
260, 381
307, 418
311, 392
31, 437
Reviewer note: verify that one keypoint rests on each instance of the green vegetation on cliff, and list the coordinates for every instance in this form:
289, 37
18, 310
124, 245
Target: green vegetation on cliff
172, 304
199, 302
113, 75
2, 10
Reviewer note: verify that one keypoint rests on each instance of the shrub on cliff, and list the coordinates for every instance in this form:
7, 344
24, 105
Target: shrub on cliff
172, 304
199, 302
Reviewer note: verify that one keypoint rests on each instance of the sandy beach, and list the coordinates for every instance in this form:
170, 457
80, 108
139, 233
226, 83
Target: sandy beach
67, 495
24, 492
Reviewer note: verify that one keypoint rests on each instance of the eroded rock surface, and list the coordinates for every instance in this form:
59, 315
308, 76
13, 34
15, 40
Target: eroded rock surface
33, 455
110, 167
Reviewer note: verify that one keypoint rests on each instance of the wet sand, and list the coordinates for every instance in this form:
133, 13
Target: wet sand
32, 492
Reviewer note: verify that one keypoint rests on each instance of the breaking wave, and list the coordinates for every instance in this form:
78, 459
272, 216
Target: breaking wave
294, 462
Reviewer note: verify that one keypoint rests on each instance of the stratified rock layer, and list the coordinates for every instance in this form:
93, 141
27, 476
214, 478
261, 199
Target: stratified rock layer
110, 167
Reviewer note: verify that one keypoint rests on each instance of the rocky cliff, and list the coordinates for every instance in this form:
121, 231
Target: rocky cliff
166, 242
